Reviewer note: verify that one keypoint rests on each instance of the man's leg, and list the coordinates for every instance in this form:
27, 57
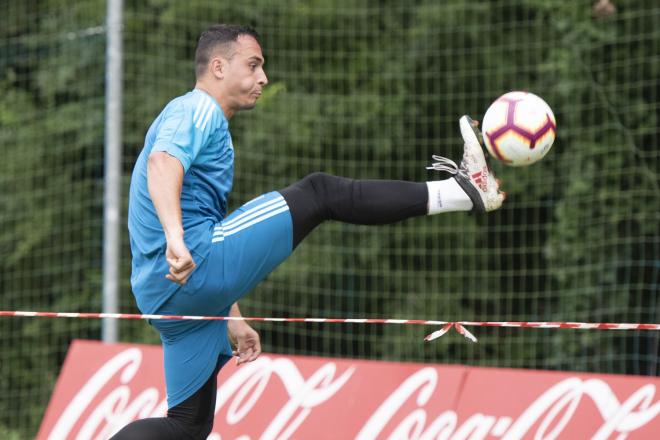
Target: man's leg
257, 237
191, 419
319, 196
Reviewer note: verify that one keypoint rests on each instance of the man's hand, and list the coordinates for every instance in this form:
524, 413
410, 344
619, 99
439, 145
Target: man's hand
246, 340
180, 261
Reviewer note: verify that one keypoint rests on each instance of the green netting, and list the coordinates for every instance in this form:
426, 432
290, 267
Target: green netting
365, 89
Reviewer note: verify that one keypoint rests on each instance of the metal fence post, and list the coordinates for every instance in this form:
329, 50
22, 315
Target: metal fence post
112, 164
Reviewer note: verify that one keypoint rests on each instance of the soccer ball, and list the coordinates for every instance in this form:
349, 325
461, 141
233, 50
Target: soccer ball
519, 128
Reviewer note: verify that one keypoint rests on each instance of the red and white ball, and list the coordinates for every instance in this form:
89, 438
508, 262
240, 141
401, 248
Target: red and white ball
519, 128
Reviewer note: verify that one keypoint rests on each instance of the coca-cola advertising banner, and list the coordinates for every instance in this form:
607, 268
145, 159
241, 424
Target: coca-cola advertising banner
102, 387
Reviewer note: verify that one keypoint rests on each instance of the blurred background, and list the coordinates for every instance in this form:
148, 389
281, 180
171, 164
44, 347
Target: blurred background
364, 89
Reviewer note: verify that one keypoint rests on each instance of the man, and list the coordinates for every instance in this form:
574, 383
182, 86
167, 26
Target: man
189, 258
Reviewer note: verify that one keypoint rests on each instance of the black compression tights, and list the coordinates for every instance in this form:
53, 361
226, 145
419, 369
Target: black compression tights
320, 197
190, 420
312, 200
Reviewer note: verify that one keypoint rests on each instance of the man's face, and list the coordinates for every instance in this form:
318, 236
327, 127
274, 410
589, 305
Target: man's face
244, 76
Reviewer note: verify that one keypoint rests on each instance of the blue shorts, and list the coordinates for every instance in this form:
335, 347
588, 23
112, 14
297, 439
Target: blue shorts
246, 247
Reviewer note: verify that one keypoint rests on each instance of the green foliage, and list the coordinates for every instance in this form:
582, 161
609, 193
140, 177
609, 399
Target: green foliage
368, 90
51, 132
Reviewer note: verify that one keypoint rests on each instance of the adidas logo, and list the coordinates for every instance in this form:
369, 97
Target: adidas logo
480, 178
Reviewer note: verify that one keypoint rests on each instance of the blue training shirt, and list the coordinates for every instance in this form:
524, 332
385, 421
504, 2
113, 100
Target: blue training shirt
193, 129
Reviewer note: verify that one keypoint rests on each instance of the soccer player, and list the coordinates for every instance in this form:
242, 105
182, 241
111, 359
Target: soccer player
190, 258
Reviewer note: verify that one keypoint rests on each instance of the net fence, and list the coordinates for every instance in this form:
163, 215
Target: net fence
365, 90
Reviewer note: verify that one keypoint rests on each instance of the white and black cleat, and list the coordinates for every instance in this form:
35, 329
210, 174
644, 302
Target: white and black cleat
473, 174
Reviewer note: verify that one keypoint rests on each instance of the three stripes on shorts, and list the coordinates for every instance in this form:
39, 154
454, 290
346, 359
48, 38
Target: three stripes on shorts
249, 218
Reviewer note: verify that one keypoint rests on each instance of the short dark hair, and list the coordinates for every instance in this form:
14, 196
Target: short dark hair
218, 35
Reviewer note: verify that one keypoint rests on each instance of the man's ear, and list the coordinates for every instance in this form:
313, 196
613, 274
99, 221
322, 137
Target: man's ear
217, 67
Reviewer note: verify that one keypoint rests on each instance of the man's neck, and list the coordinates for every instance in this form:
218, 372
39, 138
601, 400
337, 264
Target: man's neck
217, 97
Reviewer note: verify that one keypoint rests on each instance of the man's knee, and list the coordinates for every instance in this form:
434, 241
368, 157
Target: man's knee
189, 429
188, 425
193, 418
320, 184
200, 430
308, 201
160, 428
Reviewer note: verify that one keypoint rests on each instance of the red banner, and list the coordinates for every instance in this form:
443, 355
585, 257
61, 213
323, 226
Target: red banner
103, 387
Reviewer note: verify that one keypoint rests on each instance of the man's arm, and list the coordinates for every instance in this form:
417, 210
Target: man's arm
165, 180
246, 340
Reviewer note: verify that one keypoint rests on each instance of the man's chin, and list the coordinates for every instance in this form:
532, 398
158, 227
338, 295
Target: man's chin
249, 106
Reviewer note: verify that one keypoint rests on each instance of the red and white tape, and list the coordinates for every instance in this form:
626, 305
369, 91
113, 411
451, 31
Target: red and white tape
446, 325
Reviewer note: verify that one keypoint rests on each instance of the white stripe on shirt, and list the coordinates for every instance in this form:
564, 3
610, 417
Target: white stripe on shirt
207, 104
202, 102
